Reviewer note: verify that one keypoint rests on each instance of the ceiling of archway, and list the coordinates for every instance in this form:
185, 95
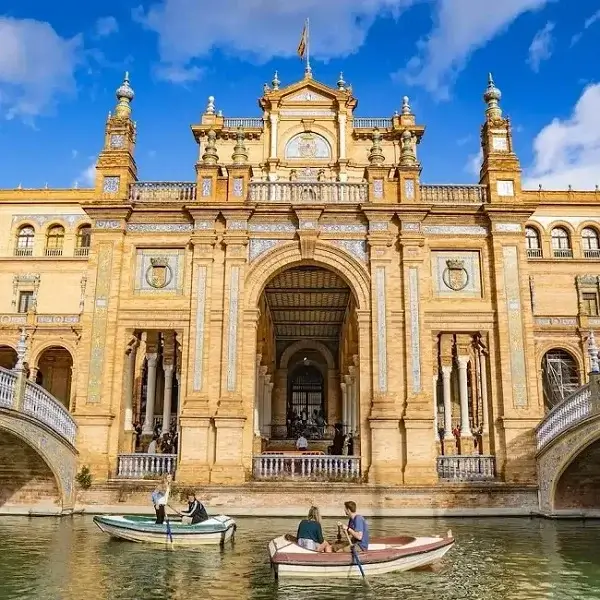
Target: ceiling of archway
307, 302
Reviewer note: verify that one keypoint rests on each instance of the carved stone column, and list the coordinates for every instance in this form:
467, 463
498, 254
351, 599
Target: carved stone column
465, 428
274, 121
148, 427
267, 404
167, 397
344, 387
279, 404
128, 389
446, 379
434, 381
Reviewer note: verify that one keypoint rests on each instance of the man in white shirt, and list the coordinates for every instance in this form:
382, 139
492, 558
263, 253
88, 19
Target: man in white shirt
302, 443
152, 447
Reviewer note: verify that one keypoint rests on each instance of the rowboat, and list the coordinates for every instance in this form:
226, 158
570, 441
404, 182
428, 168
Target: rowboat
136, 528
384, 555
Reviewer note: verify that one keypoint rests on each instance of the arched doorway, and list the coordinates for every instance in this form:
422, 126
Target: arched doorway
560, 376
8, 357
308, 347
54, 373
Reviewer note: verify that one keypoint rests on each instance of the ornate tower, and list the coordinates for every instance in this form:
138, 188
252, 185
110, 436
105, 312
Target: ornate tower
116, 168
500, 170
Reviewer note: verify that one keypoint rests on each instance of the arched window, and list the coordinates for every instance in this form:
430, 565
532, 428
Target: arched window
589, 241
55, 239
560, 376
561, 244
25, 239
532, 239
84, 239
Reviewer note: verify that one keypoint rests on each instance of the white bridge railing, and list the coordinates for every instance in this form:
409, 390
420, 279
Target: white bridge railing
295, 192
324, 467
570, 411
141, 466
474, 467
37, 403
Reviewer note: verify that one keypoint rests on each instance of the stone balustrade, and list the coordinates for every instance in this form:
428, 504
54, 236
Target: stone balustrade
162, 191
575, 408
243, 122
454, 194
44, 407
466, 467
7, 388
372, 123
308, 192
312, 466
144, 466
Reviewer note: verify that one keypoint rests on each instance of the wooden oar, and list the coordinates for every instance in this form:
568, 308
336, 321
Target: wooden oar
355, 556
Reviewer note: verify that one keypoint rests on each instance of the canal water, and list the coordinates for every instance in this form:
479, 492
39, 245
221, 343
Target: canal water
494, 559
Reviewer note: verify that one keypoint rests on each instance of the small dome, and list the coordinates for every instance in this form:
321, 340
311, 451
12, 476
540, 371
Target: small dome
492, 92
125, 91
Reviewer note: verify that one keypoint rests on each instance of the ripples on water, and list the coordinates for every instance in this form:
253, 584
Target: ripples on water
494, 559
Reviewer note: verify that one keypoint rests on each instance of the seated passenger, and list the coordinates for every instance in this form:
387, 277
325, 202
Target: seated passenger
310, 533
196, 513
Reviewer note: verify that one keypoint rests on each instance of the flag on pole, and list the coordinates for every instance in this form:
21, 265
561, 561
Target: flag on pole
302, 46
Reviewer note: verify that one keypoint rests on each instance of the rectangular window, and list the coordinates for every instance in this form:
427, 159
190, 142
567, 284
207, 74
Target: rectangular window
589, 303
25, 301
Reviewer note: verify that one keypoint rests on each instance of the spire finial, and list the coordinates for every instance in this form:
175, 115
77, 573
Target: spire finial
341, 83
376, 156
125, 95
275, 83
492, 98
406, 110
593, 353
408, 157
210, 106
210, 156
240, 153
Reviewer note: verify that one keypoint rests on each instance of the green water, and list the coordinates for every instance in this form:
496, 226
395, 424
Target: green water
494, 559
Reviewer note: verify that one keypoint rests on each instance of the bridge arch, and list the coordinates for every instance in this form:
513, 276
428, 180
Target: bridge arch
8, 356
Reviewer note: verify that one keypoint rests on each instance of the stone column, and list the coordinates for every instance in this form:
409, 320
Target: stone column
435, 410
268, 400
344, 403
167, 397
278, 406
342, 135
465, 428
148, 427
257, 387
484, 393
128, 391
260, 401
274, 120
446, 375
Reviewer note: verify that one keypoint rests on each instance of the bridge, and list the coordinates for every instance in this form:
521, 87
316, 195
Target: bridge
34, 425
568, 453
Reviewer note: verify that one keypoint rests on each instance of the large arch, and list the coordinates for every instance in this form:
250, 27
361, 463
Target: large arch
8, 357
54, 366
561, 375
289, 352
57, 454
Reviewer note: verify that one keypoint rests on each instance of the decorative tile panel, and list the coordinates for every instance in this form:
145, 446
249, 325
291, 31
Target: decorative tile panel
13, 319
344, 227
505, 187
110, 185
500, 143
160, 227
308, 96
381, 329
206, 186
378, 188
41, 220
409, 189
358, 248
237, 225
306, 113
275, 227
200, 320
454, 230
204, 225
117, 140
99, 322
558, 321
411, 226
102, 224
378, 226
159, 271
233, 329
515, 325
456, 274
415, 330
238, 187
260, 246
508, 227
57, 319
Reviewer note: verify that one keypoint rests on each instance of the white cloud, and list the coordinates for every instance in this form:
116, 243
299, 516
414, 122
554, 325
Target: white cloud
87, 178
258, 31
541, 47
473, 166
587, 24
106, 26
36, 66
178, 73
567, 152
462, 27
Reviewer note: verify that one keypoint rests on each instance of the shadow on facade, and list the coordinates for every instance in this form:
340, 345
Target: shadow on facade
579, 484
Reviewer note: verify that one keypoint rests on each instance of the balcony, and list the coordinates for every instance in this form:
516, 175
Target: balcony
23, 251
243, 122
82, 252
466, 468
312, 467
454, 194
534, 253
562, 253
145, 466
162, 191
302, 192
591, 253
372, 123
54, 251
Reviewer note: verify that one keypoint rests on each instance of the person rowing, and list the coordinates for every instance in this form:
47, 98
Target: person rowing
160, 499
196, 513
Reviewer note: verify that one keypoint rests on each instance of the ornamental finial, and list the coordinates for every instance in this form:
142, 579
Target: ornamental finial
406, 110
275, 83
125, 95
341, 82
492, 98
240, 153
210, 156
210, 106
376, 156
408, 157
21, 351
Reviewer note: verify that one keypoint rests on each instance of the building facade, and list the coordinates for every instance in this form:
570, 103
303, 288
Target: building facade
304, 277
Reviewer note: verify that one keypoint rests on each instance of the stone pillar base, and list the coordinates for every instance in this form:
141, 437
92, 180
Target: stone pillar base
192, 472
257, 445
227, 474
128, 445
386, 474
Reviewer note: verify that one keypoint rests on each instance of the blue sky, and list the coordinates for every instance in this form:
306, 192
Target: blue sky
59, 70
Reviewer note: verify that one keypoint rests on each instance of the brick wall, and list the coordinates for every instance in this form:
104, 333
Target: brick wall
579, 486
24, 476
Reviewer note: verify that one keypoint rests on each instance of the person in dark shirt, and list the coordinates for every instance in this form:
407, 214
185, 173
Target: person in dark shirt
357, 530
310, 533
196, 513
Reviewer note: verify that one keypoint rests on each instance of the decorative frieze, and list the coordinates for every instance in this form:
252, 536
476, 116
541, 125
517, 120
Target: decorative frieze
358, 248
455, 230
508, 227
381, 329
274, 227
515, 326
344, 227
411, 226
57, 319
107, 224
260, 246
26, 282
290, 112
13, 319
587, 279
237, 225
41, 220
556, 321
234, 284
160, 227
200, 319
203, 225
415, 336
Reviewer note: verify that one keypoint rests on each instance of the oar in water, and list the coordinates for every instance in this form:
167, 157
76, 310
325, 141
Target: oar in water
169, 534
355, 556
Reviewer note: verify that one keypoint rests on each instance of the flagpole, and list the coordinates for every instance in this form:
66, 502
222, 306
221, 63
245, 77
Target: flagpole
308, 69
